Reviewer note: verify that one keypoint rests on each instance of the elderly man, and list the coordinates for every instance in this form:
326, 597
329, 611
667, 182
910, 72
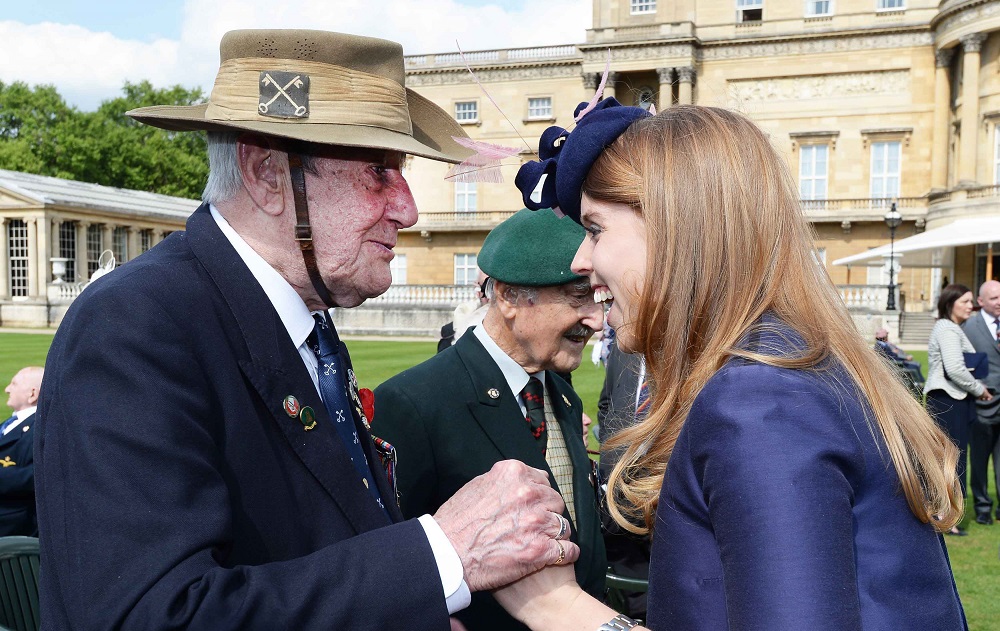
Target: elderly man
494, 394
204, 461
984, 442
17, 475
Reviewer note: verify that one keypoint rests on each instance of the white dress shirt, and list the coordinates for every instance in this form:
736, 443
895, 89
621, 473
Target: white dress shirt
299, 323
990, 322
19, 417
516, 376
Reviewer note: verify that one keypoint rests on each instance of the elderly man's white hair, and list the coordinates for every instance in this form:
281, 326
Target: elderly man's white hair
224, 178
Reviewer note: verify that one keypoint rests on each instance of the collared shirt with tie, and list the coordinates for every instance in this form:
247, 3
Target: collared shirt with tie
556, 453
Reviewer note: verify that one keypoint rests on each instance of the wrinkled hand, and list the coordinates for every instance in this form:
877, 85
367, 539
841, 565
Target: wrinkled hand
503, 525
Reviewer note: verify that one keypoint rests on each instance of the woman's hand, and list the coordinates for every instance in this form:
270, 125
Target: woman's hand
544, 593
550, 600
986, 396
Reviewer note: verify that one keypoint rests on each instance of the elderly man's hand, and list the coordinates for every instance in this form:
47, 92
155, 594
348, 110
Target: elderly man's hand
504, 525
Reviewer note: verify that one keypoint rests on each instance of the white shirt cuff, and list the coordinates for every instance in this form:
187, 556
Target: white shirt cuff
456, 591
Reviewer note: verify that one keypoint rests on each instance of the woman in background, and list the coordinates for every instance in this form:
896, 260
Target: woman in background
951, 391
789, 479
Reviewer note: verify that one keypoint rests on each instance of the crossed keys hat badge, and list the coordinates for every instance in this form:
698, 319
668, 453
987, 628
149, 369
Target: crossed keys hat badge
284, 94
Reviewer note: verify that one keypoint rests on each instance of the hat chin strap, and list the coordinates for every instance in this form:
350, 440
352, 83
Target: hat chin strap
303, 231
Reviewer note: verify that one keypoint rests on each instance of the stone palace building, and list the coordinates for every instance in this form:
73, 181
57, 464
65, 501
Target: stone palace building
873, 102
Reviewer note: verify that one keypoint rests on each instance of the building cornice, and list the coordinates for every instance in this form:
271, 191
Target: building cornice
952, 8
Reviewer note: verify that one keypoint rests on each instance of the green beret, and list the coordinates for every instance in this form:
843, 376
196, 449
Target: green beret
534, 248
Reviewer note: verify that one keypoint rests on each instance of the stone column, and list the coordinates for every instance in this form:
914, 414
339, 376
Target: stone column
132, 242
4, 260
685, 75
81, 251
33, 257
942, 92
666, 94
609, 88
106, 240
970, 108
590, 81
54, 250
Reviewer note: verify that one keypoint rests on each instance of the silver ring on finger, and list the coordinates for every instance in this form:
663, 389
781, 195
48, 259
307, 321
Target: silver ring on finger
563, 523
562, 553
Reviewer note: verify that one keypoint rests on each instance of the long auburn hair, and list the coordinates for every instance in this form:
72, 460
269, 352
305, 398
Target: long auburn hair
727, 242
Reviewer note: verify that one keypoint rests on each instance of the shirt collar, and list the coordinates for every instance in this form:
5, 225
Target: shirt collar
515, 376
988, 319
291, 308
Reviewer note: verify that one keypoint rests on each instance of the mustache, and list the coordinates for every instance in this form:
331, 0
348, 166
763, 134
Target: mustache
579, 331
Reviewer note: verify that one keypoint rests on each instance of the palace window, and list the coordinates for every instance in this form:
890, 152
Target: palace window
465, 269
642, 6
813, 171
145, 240
885, 169
17, 255
890, 5
119, 245
645, 98
465, 197
397, 267
540, 107
749, 10
816, 8
467, 111
67, 249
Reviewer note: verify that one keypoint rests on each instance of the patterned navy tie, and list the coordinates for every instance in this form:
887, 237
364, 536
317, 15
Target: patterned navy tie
6, 424
325, 342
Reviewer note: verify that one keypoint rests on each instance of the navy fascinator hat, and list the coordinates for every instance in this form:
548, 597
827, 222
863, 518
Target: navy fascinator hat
565, 157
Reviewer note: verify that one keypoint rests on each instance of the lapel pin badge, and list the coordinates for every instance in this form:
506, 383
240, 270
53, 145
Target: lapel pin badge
308, 418
566, 401
292, 407
493, 393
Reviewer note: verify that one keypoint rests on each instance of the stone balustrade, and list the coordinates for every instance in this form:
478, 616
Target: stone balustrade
425, 295
867, 297
535, 53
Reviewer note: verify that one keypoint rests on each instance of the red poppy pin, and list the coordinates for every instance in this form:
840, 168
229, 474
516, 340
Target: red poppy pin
367, 403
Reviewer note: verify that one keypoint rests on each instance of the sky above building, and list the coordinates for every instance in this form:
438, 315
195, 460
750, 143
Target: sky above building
89, 50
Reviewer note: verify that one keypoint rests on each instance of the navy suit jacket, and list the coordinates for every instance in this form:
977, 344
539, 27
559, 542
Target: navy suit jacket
781, 510
17, 481
176, 492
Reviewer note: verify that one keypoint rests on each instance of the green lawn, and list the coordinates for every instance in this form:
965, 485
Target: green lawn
974, 558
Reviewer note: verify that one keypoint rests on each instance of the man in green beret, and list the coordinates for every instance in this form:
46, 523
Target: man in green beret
494, 395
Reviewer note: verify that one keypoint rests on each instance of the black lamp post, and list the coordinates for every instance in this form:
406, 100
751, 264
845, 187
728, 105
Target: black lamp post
892, 219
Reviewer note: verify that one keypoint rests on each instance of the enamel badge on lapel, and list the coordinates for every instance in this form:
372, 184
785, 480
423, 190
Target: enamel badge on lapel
307, 416
291, 405
493, 393
7, 462
566, 401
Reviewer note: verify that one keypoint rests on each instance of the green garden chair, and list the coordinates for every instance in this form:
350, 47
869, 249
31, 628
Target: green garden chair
617, 586
19, 583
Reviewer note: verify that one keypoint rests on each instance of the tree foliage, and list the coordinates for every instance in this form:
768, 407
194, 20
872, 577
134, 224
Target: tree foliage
40, 133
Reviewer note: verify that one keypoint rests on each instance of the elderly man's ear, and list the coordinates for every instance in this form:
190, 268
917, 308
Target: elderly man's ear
265, 173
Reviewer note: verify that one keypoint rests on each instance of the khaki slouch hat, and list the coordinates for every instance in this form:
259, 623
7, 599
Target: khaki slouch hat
319, 87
